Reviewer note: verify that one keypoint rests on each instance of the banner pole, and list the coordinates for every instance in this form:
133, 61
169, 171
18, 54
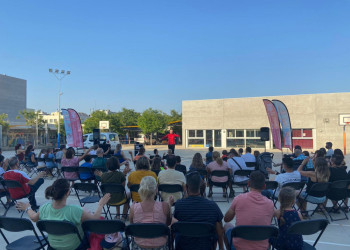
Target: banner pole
344, 139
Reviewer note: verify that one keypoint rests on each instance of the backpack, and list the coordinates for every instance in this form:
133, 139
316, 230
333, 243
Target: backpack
265, 161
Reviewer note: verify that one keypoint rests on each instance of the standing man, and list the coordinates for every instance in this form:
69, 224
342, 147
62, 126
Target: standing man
171, 140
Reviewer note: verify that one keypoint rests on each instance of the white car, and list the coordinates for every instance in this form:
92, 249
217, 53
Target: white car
109, 137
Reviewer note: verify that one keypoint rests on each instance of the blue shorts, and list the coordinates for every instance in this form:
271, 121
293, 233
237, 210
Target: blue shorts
312, 199
228, 237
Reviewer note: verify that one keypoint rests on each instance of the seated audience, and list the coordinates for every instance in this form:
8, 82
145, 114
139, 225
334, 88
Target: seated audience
337, 170
196, 208
94, 148
256, 154
299, 156
50, 164
142, 170
118, 152
58, 209
338, 151
290, 175
41, 156
248, 157
115, 176
197, 162
59, 155
19, 150
247, 208
310, 164
100, 161
235, 163
286, 217
165, 155
171, 176
155, 152
224, 155
179, 166
150, 211
157, 164
70, 160
141, 153
217, 164
209, 155
240, 151
30, 156
87, 164
29, 185
320, 175
330, 151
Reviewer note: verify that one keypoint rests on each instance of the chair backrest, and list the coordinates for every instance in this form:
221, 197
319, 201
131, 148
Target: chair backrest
48, 160
220, 173
58, 160
147, 230
170, 188
251, 164
193, 229
85, 170
103, 226
338, 190
40, 159
87, 187
12, 184
271, 185
243, 172
112, 188
296, 185
57, 227
135, 187
254, 233
308, 227
296, 164
201, 171
319, 189
70, 169
156, 171
15, 224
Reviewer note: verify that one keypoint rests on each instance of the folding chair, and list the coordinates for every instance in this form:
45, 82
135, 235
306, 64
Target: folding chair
29, 242
114, 188
196, 230
223, 185
254, 233
70, 170
91, 188
3, 194
8, 184
47, 160
298, 186
146, 231
58, 228
134, 188
318, 190
308, 227
252, 165
272, 185
103, 226
58, 163
243, 173
338, 192
169, 188
202, 172
86, 170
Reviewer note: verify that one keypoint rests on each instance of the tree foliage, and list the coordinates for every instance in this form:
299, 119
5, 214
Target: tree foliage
94, 121
152, 121
174, 116
4, 123
62, 128
128, 117
32, 118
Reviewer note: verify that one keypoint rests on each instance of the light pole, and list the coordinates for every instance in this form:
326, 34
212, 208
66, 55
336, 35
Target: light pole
59, 75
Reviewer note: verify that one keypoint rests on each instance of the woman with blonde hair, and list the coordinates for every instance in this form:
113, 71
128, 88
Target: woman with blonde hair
218, 164
150, 211
320, 175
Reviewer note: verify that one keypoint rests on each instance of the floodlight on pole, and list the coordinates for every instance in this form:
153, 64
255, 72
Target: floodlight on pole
59, 75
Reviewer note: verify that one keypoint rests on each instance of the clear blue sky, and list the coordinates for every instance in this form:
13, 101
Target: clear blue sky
140, 54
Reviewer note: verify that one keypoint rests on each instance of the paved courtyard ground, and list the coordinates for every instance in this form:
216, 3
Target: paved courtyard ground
336, 236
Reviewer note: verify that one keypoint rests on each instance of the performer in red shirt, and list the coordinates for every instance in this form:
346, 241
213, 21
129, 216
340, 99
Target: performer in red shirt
171, 140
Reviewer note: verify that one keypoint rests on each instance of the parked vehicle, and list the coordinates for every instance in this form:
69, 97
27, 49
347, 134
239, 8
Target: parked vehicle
108, 137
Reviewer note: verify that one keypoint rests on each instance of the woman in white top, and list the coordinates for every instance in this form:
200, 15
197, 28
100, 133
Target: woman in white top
41, 156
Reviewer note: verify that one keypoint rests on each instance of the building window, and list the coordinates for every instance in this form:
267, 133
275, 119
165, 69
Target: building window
240, 138
50, 120
195, 138
303, 138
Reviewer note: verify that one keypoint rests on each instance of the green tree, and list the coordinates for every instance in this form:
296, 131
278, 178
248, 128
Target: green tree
174, 116
4, 123
128, 117
62, 128
32, 118
94, 121
152, 121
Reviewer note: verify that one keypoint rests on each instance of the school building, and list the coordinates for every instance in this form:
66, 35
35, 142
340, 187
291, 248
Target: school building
236, 122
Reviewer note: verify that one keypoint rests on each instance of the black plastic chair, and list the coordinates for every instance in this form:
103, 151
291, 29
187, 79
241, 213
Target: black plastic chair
272, 185
251, 165
86, 170
243, 173
254, 233
114, 188
91, 188
58, 228
169, 188
70, 170
223, 185
296, 164
134, 188
103, 226
338, 192
309, 227
29, 242
195, 230
8, 184
47, 160
318, 190
202, 172
146, 231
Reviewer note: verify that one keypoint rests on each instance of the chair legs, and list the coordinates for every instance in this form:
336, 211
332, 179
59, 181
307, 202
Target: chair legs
336, 207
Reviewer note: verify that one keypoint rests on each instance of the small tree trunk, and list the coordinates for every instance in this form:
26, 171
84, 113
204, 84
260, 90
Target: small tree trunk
151, 139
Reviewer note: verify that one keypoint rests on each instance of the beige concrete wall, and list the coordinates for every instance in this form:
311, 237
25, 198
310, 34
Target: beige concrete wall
316, 111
